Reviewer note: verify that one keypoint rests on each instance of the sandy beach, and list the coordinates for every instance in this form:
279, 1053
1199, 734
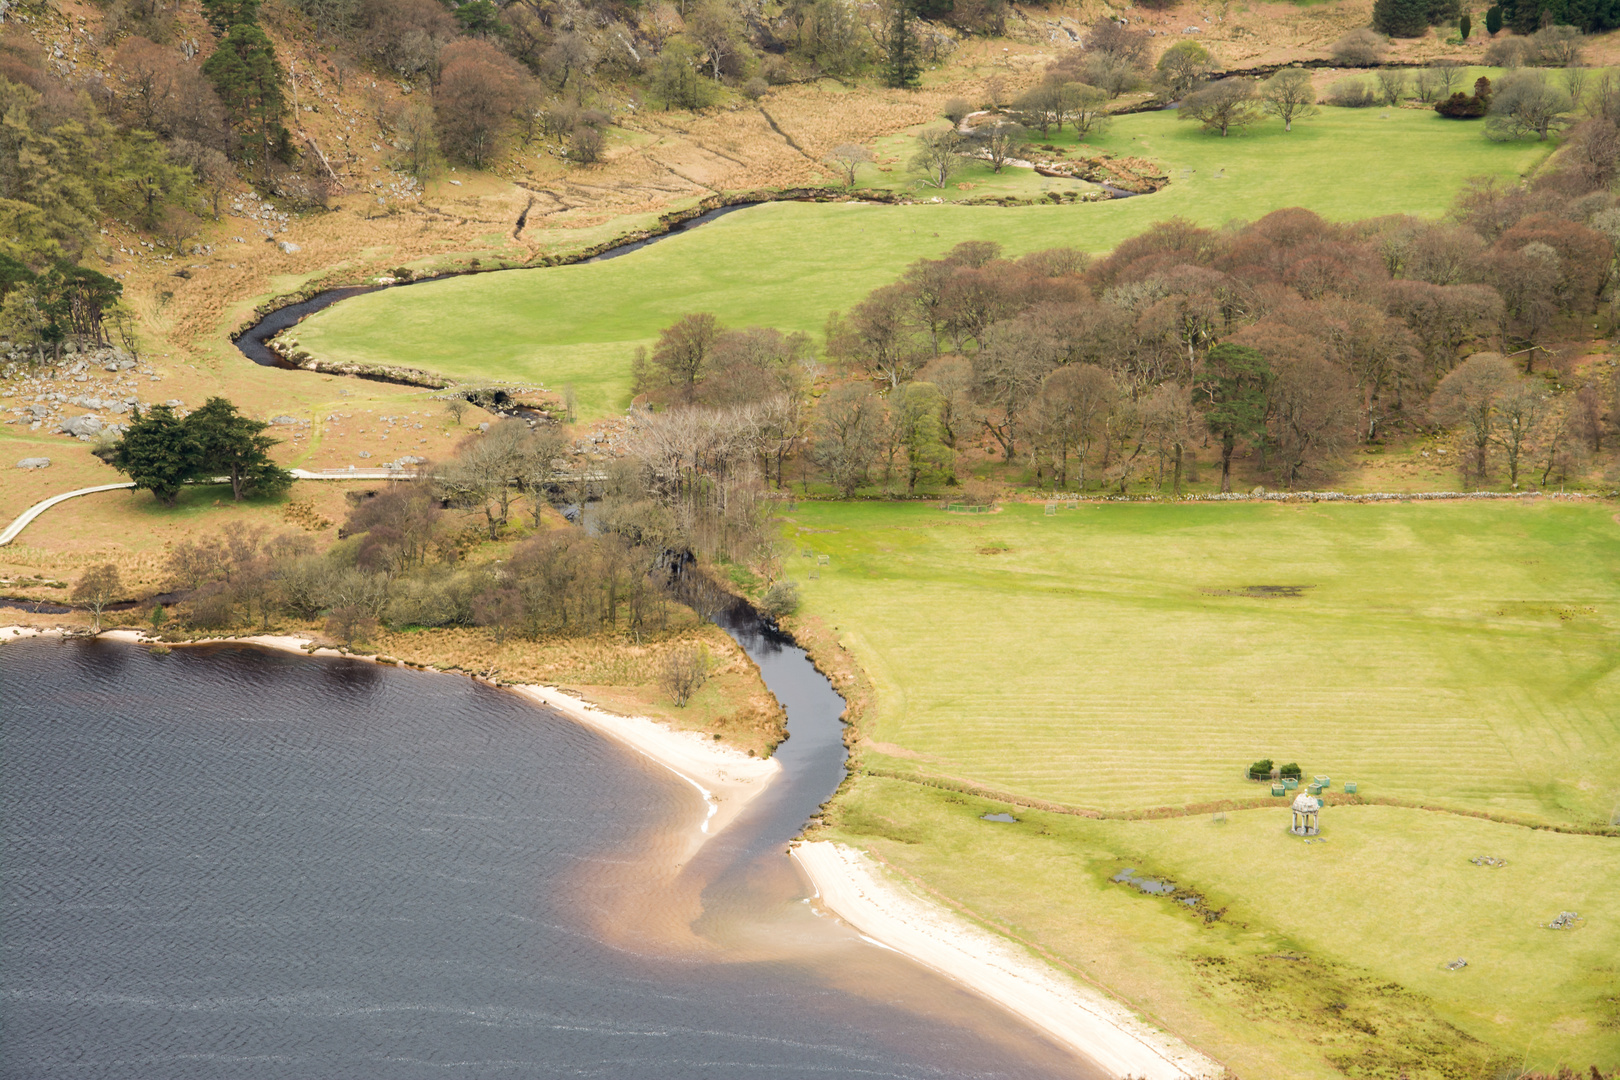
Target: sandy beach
727, 779
852, 886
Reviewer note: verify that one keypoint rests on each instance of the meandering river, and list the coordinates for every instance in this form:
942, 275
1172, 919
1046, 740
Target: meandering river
227, 862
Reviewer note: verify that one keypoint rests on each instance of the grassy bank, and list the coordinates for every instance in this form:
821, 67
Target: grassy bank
788, 265
1451, 655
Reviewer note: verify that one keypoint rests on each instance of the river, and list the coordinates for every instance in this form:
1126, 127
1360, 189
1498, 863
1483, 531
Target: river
228, 862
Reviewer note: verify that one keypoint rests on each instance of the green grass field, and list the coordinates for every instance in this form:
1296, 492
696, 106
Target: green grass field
1458, 655
789, 264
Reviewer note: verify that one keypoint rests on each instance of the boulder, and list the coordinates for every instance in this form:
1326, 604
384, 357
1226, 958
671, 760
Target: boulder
288, 247
34, 463
284, 419
82, 426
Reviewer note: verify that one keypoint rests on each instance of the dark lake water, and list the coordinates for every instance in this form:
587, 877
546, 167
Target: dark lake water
235, 863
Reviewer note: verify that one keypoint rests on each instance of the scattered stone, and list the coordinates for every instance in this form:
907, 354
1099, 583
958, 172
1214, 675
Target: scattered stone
365, 453
174, 403
1457, 964
284, 419
288, 247
83, 426
1566, 921
34, 463
1487, 860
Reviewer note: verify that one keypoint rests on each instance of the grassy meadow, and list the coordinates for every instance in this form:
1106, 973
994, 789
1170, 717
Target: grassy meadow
789, 264
1457, 654
1113, 658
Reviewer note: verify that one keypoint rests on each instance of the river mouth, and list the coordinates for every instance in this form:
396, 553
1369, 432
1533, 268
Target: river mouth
232, 862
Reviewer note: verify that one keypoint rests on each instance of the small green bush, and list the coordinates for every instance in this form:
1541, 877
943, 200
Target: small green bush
782, 598
1290, 771
1260, 770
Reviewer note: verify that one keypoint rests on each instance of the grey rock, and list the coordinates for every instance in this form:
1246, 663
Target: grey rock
365, 453
34, 463
288, 247
83, 426
284, 419
174, 403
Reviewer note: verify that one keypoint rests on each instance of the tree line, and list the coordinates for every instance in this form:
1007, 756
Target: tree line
1291, 338
416, 553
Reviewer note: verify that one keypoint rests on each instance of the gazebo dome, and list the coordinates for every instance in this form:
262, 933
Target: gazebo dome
1305, 804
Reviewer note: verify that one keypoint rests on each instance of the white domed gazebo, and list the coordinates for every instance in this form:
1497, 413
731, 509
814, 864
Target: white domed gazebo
1306, 809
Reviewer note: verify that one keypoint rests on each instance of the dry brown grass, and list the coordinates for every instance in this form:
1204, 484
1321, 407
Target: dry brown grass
615, 671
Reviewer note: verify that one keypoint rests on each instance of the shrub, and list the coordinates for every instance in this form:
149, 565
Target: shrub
1360, 48
1493, 19
1260, 770
1290, 771
1354, 92
955, 109
1465, 26
1509, 52
755, 88
782, 598
1461, 106
400, 273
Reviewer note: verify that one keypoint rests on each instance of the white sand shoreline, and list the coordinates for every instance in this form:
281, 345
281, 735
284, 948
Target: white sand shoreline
852, 886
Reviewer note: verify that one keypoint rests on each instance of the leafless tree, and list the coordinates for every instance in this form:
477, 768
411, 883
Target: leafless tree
847, 158
682, 673
480, 477
1000, 142
938, 156
479, 89
1289, 95
1468, 397
1221, 106
95, 589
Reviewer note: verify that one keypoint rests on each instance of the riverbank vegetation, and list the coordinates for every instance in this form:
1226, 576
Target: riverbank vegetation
1133, 660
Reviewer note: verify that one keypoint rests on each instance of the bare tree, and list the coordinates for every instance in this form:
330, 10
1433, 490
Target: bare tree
846, 433
1526, 102
1426, 85
1000, 142
1289, 95
481, 476
683, 347
95, 589
1391, 85
938, 156
847, 158
683, 672
479, 89
1468, 397
1520, 411
1221, 106
537, 466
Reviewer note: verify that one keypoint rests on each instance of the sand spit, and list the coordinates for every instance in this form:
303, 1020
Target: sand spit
727, 779
851, 886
